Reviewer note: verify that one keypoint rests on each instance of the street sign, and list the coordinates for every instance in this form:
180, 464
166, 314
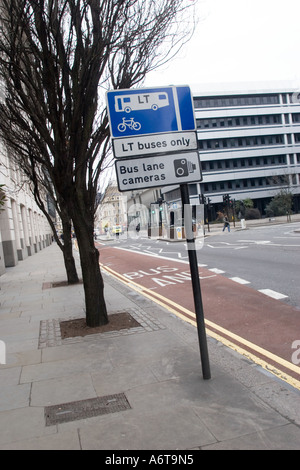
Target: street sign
154, 144
135, 112
152, 121
164, 170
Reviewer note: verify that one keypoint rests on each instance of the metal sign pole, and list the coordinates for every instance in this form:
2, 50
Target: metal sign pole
196, 284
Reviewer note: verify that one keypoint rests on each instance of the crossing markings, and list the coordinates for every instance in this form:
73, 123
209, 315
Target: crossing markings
217, 271
239, 280
226, 337
273, 294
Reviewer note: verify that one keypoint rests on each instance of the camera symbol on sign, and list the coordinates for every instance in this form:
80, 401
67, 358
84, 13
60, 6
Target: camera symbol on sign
183, 167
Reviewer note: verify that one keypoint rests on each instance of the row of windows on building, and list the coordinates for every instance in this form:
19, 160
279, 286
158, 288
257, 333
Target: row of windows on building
244, 162
247, 121
241, 100
251, 141
248, 183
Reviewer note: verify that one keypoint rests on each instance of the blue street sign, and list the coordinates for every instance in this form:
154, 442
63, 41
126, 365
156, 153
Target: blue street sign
150, 111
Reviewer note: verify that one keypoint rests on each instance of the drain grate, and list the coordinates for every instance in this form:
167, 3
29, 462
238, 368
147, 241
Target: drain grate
82, 409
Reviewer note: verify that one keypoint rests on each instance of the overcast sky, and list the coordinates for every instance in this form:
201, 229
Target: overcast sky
238, 41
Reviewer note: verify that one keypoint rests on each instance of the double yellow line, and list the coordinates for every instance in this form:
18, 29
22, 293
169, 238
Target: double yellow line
222, 335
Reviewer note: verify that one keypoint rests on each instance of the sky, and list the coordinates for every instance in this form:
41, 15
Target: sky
238, 41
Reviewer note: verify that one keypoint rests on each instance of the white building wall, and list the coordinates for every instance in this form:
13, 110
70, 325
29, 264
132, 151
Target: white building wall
285, 130
24, 230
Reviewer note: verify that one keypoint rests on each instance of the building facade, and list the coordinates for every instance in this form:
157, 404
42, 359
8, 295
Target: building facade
24, 230
249, 145
111, 214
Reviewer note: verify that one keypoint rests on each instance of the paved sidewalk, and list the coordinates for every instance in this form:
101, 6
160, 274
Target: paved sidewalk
149, 378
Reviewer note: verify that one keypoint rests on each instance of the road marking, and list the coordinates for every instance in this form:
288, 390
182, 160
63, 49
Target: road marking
216, 271
273, 294
239, 280
190, 317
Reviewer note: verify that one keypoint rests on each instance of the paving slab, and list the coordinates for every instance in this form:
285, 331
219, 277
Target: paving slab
156, 366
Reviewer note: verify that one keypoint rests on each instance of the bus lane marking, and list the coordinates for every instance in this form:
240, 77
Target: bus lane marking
217, 332
173, 276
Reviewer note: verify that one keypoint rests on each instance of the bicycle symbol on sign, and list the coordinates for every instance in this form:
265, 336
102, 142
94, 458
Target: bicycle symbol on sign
130, 123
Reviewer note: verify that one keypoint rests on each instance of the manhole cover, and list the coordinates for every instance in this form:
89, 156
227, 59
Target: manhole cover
82, 409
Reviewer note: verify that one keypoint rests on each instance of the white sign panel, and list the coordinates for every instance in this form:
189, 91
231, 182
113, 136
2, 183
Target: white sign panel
155, 143
164, 170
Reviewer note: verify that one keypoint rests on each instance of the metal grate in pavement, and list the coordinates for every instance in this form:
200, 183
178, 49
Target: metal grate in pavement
82, 409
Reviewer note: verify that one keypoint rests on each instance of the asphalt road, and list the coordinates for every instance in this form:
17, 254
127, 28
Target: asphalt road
256, 324
265, 258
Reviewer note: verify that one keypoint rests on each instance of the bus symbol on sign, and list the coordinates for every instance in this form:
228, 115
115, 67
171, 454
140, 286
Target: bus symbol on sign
147, 111
141, 101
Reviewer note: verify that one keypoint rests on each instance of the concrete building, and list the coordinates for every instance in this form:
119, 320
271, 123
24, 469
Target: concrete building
249, 144
24, 229
111, 214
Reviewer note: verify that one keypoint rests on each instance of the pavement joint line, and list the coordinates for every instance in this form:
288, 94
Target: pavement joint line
161, 300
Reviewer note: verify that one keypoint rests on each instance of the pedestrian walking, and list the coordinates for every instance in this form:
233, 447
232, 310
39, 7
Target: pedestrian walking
226, 224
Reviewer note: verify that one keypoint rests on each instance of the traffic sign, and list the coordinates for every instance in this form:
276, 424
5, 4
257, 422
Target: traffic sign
134, 112
154, 144
164, 170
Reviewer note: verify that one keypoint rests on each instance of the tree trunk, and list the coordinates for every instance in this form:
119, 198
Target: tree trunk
67, 250
96, 313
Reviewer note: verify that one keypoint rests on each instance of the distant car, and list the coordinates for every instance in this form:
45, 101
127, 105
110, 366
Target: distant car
117, 229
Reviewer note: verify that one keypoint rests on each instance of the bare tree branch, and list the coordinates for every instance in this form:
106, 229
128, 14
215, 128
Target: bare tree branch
57, 57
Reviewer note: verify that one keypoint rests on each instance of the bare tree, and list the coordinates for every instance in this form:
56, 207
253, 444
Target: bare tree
56, 59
